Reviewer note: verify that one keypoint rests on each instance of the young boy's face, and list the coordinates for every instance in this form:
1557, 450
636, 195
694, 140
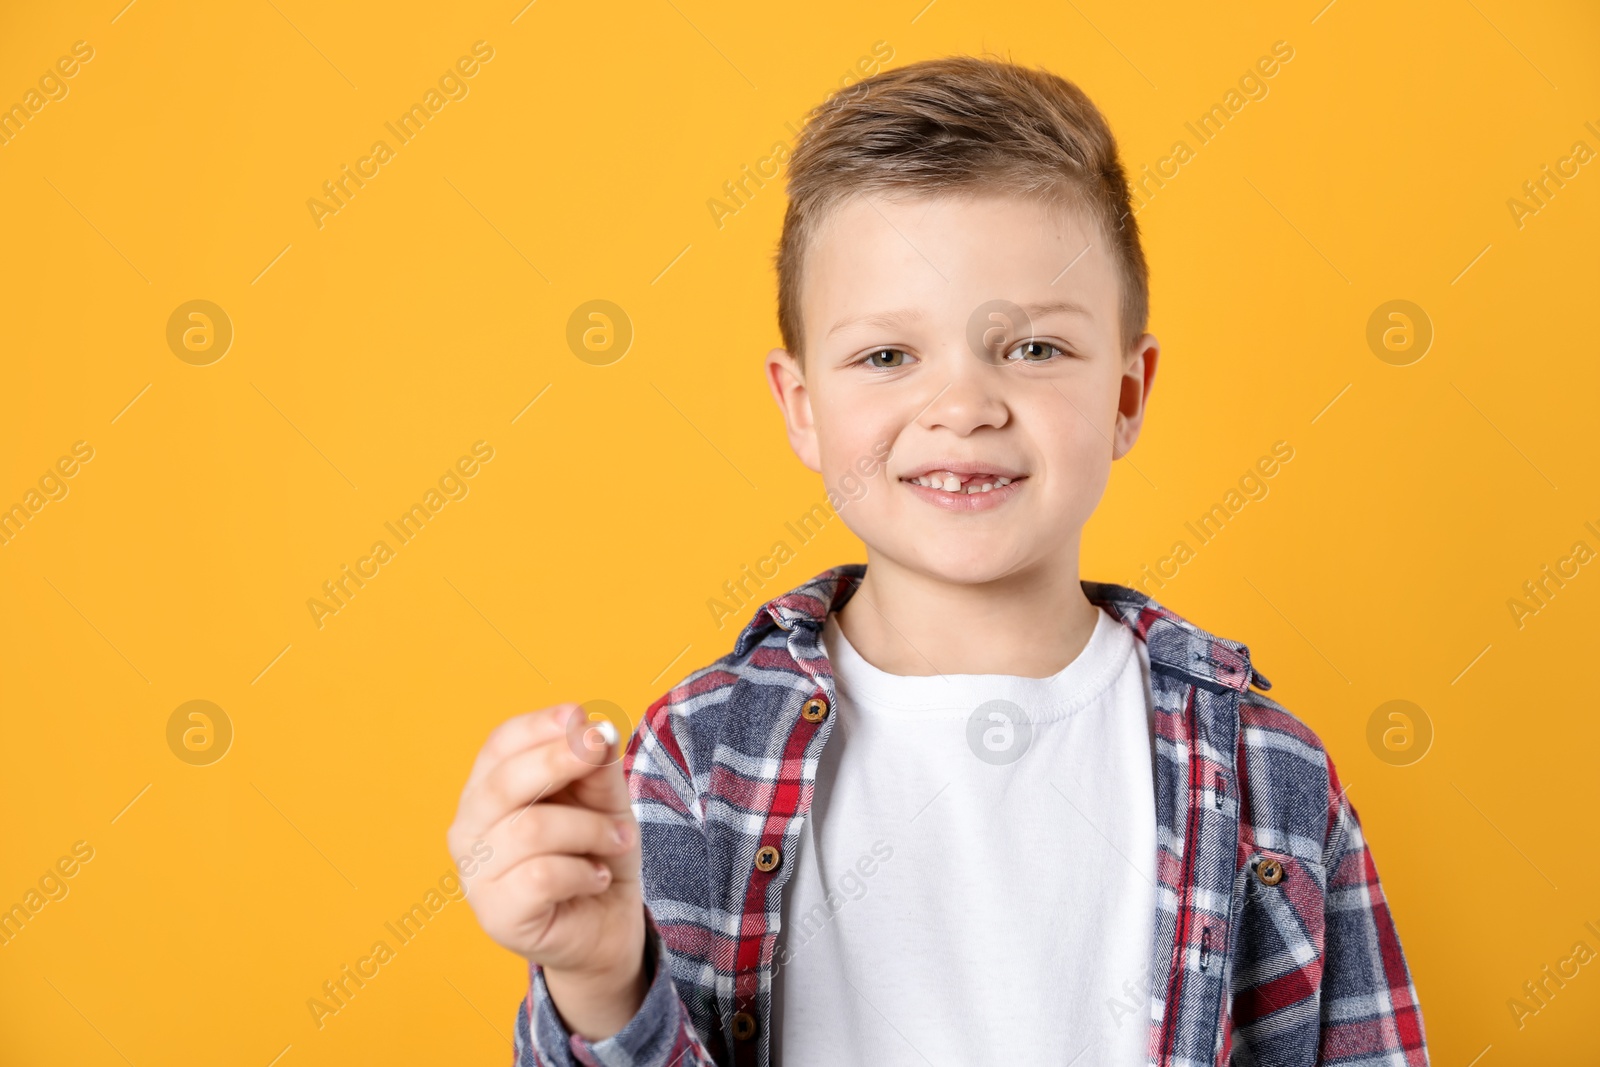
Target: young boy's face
913, 348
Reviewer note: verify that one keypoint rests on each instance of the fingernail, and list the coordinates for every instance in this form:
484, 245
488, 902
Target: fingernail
620, 832
602, 871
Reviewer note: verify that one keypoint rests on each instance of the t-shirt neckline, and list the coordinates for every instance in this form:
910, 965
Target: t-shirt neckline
1078, 684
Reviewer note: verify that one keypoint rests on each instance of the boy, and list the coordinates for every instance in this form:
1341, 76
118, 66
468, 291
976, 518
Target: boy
954, 805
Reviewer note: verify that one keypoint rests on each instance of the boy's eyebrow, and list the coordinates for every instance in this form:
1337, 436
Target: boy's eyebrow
1054, 307
901, 316
881, 319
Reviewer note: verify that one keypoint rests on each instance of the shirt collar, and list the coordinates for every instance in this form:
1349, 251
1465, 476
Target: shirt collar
1175, 644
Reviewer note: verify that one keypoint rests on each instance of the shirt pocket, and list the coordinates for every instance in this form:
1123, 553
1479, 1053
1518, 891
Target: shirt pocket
1276, 983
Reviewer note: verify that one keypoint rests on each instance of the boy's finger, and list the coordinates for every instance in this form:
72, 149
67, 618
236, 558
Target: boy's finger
604, 790
517, 734
521, 780
558, 829
545, 881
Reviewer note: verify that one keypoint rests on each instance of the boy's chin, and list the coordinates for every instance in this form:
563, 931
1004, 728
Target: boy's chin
975, 562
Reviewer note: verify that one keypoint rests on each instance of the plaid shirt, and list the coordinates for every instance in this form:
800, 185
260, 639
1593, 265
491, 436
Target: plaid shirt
1273, 941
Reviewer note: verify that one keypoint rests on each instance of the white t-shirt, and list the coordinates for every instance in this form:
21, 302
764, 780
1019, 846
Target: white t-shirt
980, 891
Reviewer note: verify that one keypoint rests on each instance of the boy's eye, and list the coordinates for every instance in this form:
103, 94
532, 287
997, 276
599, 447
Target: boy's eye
1034, 352
887, 358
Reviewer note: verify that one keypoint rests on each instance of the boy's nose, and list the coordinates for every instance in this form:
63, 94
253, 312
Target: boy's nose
970, 396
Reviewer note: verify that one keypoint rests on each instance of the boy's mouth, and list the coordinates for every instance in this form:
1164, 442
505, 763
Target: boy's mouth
950, 482
963, 479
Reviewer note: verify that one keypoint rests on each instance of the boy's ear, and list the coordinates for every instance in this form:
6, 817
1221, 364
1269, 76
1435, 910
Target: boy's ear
788, 384
1139, 372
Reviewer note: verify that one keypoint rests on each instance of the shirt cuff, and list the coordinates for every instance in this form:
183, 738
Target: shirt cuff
652, 1036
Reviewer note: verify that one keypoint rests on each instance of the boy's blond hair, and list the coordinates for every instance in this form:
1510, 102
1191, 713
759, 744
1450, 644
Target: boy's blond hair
956, 125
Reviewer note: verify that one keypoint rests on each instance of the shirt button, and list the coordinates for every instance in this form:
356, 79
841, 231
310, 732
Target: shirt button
767, 858
815, 710
1270, 872
744, 1026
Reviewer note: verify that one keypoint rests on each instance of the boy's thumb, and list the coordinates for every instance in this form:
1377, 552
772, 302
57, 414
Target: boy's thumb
593, 737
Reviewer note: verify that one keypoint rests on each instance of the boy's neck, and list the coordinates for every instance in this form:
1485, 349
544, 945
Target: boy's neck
907, 622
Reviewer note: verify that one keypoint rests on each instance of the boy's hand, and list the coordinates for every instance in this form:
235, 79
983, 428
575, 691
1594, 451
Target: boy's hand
547, 794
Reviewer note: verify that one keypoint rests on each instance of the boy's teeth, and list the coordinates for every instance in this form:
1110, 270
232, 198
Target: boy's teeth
950, 482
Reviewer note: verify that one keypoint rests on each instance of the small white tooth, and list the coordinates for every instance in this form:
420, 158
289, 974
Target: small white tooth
987, 486
1002, 481
952, 484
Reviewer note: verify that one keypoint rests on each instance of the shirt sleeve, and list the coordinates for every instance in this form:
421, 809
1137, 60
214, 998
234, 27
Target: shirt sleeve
662, 1032
1369, 1004
659, 1034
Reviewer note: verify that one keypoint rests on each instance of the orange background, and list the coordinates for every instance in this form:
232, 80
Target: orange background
372, 352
